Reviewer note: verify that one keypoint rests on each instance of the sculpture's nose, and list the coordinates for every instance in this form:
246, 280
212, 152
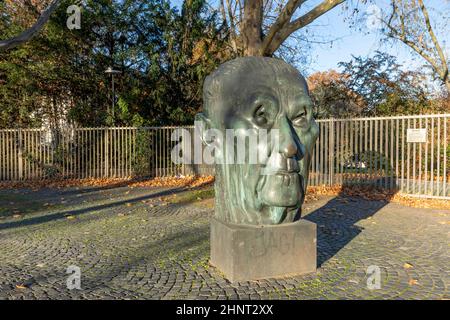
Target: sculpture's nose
289, 150
290, 147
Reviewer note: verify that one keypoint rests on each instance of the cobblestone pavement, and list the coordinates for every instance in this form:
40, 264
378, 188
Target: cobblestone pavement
140, 243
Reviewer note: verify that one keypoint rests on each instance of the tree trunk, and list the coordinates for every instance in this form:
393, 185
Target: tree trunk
252, 27
255, 44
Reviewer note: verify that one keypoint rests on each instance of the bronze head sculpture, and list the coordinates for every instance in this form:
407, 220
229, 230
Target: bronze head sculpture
261, 93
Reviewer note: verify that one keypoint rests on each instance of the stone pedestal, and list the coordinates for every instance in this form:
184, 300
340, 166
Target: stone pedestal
244, 252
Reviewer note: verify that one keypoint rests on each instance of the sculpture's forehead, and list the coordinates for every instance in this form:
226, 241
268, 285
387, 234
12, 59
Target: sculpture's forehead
265, 78
238, 83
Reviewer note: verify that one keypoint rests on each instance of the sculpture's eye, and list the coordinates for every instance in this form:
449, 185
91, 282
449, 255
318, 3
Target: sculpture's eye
261, 116
301, 119
265, 111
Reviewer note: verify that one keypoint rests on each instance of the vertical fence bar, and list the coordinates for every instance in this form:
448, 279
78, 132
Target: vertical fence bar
438, 158
350, 153
123, 153
92, 143
2, 156
376, 153
432, 158
164, 143
390, 160
387, 154
315, 162
382, 153
326, 161
366, 138
11, 155
408, 161
321, 149
444, 171
313, 165
106, 146
8, 160
370, 154
331, 153
20, 155
342, 156
159, 152
419, 179
426, 159
414, 162
359, 151
115, 153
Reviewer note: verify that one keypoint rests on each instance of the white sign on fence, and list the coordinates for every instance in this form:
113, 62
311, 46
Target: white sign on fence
416, 135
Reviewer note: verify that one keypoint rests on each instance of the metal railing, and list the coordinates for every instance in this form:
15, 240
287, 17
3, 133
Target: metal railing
376, 151
79, 153
369, 151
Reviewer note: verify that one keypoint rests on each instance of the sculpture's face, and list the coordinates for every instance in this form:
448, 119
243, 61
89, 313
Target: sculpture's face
262, 93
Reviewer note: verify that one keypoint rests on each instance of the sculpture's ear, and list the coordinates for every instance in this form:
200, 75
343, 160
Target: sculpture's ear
202, 124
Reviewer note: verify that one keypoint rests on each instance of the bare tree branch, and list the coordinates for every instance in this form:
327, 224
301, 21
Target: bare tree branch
31, 32
413, 31
222, 11
444, 72
283, 18
299, 23
231, 17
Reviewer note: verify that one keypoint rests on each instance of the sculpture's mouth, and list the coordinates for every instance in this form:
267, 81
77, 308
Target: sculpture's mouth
281, 189
287, 178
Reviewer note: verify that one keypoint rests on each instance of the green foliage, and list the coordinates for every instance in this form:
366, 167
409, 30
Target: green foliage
372, 86
163, 56
385, 88
144, 152
331, 96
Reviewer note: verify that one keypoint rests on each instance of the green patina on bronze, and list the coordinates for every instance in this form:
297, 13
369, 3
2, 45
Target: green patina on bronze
261, 93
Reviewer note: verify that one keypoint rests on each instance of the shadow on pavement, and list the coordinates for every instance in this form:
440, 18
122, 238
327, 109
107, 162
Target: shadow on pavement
337, 219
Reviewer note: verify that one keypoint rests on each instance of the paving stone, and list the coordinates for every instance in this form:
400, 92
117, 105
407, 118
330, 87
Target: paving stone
162, 252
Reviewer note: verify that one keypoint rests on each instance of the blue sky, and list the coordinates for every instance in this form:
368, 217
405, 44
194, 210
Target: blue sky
350, 41
353, 42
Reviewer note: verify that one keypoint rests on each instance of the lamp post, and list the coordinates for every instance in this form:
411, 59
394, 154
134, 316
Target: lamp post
112, 72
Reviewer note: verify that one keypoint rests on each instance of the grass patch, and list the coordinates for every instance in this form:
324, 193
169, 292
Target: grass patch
17, 204
193, 196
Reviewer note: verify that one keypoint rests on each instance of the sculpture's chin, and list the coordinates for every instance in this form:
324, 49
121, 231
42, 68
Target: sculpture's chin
280, 190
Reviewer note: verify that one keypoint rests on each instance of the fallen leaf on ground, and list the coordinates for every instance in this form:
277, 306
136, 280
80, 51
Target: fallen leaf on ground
180, 181
407, 265
413, 282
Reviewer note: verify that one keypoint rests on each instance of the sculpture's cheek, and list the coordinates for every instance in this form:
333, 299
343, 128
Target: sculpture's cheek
308, 138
